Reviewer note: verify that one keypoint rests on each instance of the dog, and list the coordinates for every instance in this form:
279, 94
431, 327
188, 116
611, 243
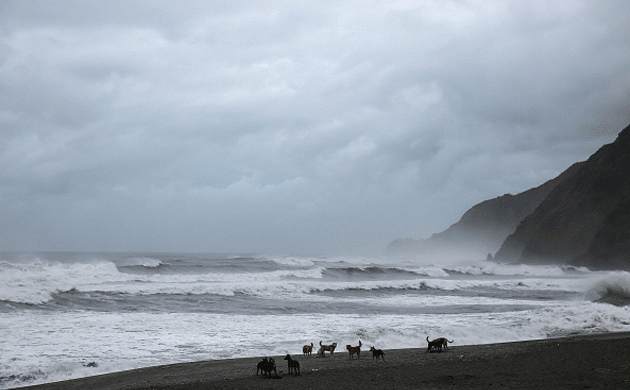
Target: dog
324, 348
261, 365
266, 367
294, 365
444, 341
307, 350
377, 353
438, 344
354, 351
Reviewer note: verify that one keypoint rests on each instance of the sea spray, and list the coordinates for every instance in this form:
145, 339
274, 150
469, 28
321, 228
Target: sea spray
612, 288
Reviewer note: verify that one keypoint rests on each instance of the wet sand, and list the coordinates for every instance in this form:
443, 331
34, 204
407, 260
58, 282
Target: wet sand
579, 362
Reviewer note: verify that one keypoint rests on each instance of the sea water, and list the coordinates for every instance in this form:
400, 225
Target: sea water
69, 315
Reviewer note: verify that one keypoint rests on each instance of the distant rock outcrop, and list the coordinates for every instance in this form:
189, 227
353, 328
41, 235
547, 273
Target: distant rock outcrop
483, 228
584, 220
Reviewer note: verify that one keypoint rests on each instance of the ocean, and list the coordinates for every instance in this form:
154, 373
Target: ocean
70, 315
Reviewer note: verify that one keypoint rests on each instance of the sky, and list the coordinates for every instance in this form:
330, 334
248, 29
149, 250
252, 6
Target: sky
292, 127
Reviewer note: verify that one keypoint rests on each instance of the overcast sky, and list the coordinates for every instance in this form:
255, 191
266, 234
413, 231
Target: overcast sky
292, 127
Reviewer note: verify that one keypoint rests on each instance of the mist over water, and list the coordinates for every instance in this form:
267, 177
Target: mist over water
62, 311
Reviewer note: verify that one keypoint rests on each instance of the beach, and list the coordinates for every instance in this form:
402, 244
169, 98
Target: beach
587, 361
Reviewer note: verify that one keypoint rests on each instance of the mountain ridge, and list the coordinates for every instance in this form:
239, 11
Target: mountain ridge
581, 217
482, 229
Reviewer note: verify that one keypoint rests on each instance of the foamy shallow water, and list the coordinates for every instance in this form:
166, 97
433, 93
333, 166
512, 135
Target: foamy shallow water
56, 316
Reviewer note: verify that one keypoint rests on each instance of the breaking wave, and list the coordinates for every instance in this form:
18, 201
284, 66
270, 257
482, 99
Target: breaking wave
613, 289
111, 308
36, 283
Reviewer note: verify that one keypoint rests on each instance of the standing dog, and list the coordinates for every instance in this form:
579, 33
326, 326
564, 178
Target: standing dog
354, 350
377, 353
438, 344
260, 367
266, 367
294, 365
324, 348
444, 342
307, 350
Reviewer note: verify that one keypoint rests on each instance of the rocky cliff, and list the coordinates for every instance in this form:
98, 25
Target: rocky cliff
483, 228
584, 219
610, 248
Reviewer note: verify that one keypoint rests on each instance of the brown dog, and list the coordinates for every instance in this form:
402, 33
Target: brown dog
437, 344
444, 342
324, 348
354, 351
377, 353
307, 350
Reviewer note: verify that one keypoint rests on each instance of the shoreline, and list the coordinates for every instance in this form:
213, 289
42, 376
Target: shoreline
581, 361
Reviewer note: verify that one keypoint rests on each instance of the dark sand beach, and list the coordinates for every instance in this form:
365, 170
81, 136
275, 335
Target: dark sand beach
580, 362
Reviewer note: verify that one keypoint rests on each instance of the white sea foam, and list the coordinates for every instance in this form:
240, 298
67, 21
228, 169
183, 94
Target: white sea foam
56, 346
473, 303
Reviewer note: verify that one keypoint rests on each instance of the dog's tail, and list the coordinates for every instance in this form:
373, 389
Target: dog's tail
450, 341
428, 339
320, 343
360, 343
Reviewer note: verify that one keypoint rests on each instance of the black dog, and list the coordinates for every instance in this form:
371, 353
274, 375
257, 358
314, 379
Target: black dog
260, 367
377, 353
294, 365
266, 367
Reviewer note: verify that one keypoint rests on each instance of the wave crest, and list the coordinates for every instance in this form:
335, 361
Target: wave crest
377, 272
613, 289
497, 269
35, 283
141, 261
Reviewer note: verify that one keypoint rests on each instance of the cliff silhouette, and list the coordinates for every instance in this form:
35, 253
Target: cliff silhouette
483, 228
582, 218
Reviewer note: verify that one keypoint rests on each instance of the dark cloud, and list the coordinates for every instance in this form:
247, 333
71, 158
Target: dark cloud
284, 127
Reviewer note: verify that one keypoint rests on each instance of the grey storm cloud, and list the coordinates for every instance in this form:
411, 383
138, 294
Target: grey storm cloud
291, 127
